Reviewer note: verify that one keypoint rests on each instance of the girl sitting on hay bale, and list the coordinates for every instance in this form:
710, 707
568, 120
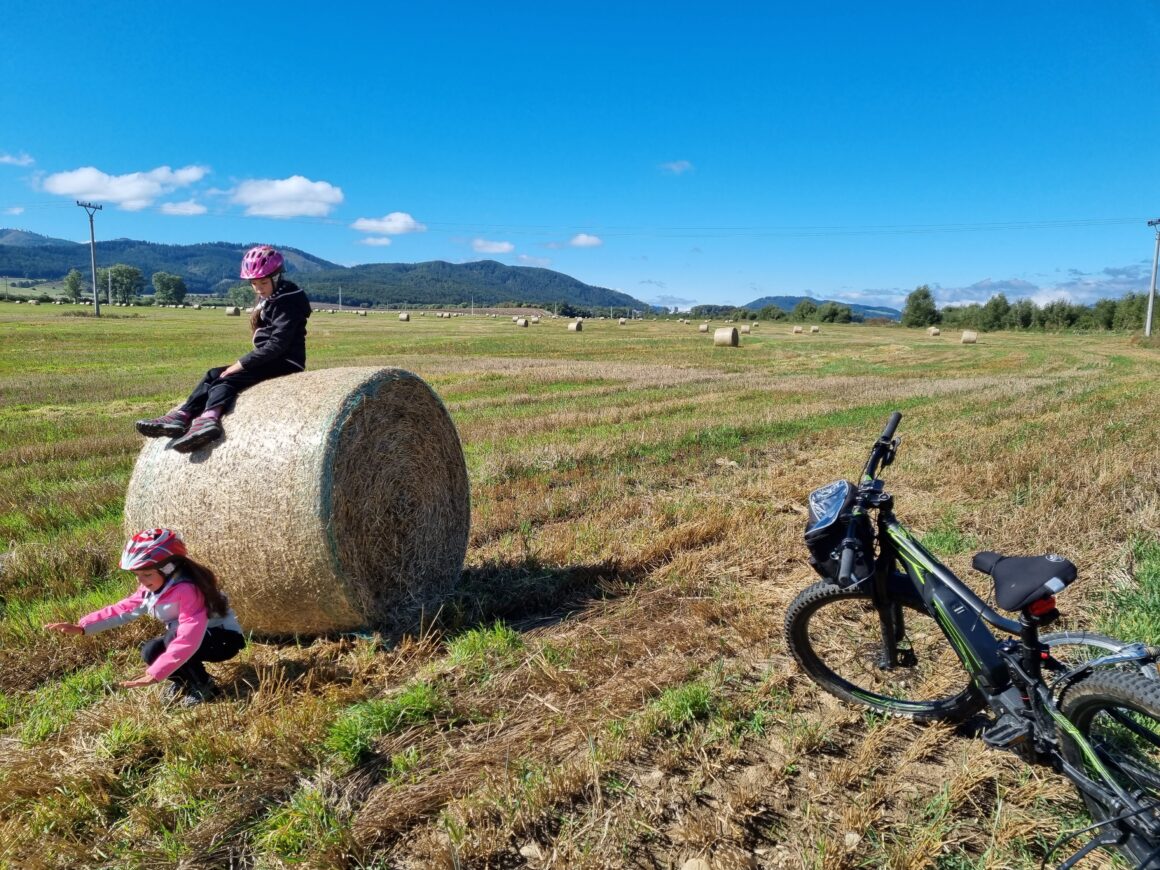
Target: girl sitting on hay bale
278, 323
200, 626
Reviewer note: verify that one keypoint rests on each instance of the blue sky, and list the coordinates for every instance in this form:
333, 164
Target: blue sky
699, 154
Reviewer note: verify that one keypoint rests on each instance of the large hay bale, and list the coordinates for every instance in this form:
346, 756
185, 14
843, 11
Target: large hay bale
815, 329
522, 322
233, 311
797, 330
338, 499
404, 316
576, 326
621, 322
726, 336
969, 336
745, 329
704, 327
933, 331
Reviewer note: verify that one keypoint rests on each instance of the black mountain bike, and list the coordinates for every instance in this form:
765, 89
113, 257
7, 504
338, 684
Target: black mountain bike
890, 627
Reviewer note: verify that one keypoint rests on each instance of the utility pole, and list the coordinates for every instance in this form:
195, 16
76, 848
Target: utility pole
1152, 292
92, 209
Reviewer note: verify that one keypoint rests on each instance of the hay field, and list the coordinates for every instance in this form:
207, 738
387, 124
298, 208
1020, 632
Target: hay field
609, 687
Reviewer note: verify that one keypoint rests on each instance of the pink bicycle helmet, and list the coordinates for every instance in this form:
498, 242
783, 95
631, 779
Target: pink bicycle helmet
150, 547
261, 262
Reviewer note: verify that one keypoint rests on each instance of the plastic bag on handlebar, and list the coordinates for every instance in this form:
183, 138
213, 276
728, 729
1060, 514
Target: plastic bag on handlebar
829, 517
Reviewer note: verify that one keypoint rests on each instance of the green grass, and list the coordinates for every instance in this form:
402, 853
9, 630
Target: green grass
355, 730
1134, 612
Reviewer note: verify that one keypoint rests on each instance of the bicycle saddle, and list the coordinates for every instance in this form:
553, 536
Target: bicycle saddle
1021, 580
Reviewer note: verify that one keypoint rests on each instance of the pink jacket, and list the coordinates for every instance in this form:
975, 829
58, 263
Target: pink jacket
179, 604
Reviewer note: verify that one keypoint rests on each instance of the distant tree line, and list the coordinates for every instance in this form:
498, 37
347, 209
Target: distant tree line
998, 313
806, 311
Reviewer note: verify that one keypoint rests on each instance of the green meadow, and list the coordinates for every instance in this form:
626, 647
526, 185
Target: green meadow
608, 686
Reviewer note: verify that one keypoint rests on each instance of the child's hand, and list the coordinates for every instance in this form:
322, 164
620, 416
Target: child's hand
65, 627
146, 680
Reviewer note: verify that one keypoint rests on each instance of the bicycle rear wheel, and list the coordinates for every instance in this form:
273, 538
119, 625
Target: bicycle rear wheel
1072, 648
1118, 714
835, 635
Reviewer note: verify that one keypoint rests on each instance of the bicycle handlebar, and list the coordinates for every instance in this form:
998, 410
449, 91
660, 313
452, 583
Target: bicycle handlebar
878, 452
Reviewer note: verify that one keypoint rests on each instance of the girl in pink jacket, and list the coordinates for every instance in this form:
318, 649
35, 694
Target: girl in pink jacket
199, 624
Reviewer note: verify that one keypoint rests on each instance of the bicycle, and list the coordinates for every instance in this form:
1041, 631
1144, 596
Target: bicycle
890, 627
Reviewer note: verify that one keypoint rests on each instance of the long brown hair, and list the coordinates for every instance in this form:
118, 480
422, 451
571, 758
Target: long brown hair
206, 582
256, 314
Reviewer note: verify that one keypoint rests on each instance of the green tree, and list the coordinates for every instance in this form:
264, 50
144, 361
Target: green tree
241, 295
772, 312
995, 312
168, 289
1021, 314
920, 310
805, 310
1131, 311
833, 312
74, 284
121, 282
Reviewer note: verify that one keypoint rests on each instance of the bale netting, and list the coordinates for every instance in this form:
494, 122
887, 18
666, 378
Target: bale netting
337, 500
726, 336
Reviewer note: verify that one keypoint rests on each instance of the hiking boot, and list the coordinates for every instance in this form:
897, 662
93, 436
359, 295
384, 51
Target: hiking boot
170, 691
169, 426
202, 431
198, 693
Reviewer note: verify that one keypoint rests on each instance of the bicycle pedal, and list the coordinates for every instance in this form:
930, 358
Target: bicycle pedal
1007, 732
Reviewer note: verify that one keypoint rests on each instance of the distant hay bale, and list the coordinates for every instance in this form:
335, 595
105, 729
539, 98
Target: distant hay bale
522, 321
745, 329
576, 326
515, 318
933, 330
404, 316
797, 330
815, 329
969, 336
361, 313
233, 311
704, 327
536, 318
338, 499
622, 321
726, 336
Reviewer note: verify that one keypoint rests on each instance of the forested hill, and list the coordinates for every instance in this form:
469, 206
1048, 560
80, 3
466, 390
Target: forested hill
213, 268
485, 282
788, 303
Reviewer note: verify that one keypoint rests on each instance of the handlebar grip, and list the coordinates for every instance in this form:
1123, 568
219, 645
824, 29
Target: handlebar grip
846, 566
891, 425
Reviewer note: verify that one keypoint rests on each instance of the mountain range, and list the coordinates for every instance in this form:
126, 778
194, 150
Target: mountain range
211, 267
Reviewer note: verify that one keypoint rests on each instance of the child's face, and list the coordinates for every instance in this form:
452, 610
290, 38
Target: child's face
263, 286
150, 578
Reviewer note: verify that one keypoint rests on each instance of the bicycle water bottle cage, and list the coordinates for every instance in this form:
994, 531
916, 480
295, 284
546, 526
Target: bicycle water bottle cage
1022, 580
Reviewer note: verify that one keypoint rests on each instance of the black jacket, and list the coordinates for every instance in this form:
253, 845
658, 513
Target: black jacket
281, 332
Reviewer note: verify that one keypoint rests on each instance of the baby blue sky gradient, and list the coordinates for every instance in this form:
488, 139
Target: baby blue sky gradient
707, 153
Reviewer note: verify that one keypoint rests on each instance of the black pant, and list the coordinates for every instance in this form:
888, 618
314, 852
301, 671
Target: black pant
214, 391
218, 645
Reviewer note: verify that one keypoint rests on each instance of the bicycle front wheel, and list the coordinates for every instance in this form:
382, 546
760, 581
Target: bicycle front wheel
1118, 714
835, 635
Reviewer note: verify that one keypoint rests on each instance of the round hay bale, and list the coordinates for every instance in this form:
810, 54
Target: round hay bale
726, 336
704, 327
404, 316
233, 311
797, 330
576, 326
521, 321
969, 336
933, 330
745, 329
536, 318
622, 321
337, 500
815, 329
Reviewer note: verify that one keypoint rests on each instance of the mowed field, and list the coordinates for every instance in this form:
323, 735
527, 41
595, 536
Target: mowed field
609, 686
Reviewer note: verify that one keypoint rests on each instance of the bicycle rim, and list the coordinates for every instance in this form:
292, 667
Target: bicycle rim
835, 635
1073, 648
1118, 714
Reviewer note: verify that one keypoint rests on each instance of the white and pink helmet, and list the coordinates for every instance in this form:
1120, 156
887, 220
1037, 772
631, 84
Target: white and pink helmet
150, 547
261, 262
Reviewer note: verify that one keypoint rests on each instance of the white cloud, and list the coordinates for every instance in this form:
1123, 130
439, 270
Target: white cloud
529, 260
483, 246
132, 192
395, 224
295, 196
189, 207
16, 209
677, 167
20, 159
379, 241
583, 240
